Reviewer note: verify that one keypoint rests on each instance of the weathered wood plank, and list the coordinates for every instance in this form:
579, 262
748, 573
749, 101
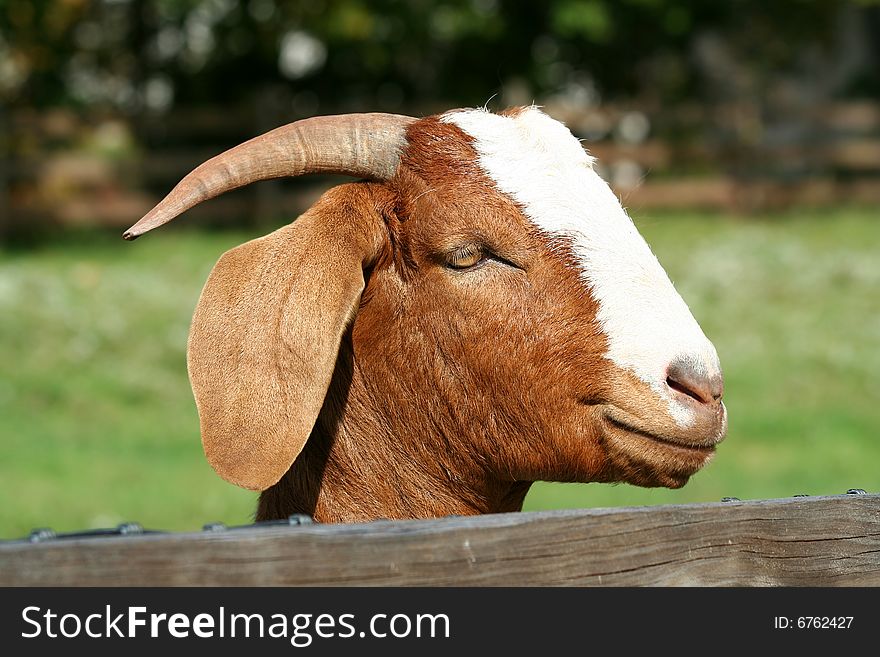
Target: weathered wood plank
818, 541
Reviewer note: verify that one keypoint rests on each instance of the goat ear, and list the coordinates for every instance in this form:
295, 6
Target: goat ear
266, 333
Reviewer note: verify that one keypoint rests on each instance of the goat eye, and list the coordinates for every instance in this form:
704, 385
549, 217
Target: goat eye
464, 258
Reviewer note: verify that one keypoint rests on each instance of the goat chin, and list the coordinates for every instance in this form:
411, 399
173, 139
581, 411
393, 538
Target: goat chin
478, 314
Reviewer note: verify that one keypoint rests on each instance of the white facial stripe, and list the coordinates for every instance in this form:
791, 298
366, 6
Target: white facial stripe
538, 163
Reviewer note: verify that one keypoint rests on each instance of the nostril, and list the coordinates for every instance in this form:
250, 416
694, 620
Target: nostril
689, 379
683, 389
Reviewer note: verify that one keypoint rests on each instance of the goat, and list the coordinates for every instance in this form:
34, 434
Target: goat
476, 314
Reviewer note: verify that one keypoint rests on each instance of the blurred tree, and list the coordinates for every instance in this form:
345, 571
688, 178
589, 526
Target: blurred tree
128, 55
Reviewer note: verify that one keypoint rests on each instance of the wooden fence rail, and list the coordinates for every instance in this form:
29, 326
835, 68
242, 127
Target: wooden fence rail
816, 541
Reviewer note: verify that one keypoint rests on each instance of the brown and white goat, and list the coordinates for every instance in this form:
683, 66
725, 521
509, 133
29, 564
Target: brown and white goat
478, 315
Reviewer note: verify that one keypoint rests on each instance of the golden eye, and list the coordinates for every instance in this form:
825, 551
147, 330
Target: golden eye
464, 257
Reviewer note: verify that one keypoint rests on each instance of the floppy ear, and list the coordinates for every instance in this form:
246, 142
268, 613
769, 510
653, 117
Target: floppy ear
267, 328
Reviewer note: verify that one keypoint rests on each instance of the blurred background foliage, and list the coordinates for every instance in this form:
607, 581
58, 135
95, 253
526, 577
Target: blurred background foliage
743, 136
765, 104
131, 55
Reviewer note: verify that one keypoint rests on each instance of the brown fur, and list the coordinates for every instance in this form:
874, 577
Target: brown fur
450, 392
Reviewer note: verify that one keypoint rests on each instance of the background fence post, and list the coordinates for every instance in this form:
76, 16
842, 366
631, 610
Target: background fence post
5, 160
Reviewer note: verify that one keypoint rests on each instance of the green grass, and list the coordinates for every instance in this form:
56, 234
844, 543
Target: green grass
97, 422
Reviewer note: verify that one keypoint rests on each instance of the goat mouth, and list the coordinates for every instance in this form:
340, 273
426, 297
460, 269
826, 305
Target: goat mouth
677, 446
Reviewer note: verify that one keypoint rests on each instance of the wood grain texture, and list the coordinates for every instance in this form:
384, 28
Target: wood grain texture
818, 541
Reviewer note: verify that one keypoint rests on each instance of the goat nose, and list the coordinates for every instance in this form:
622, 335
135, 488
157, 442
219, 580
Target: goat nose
688, 377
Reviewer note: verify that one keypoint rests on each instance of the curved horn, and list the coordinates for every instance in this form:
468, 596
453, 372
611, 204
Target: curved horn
362, 145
